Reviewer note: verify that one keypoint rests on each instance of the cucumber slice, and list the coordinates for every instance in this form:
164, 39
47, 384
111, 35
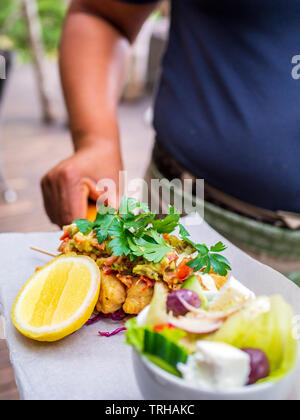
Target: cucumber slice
163, 365
192, 283
164, 351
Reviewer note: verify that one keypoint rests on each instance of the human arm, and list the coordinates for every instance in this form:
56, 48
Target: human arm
93, 57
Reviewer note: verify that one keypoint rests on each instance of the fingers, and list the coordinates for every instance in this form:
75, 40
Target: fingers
50, 196
93, 193
67, 188
73, 196
65, 196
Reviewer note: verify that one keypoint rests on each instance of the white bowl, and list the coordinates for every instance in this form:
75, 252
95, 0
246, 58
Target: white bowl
157, 384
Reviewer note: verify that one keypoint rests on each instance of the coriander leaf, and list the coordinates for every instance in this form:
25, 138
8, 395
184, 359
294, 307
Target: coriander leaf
219, 247
108, 224
199, 263
101, 236
183, 232
207, 264
222, 260
153, 252
202, 249
133, 204
129, 205
139, 224
196, 263
119, 246
123, 210
83, 225
157, 237
208, 260
136, 250
106, 210
168, 224
218, 267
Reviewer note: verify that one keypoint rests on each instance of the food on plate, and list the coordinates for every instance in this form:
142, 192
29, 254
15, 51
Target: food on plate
138, 297
58, 299
129, 252
216, 365
112, 294
237, 340
135, 250
259, 365
175, 302
231, 295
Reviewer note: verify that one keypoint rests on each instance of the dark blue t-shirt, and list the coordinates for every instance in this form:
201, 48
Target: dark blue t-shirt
228, 108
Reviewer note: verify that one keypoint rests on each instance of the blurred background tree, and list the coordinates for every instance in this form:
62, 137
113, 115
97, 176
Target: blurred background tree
14, 30
32, 28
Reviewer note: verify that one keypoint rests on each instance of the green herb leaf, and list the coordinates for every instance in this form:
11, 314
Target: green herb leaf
128, 207
169, 223
153, 248
84, 226
139, 224
202, 249
219, 247
119, 246
183, 232
108, 225
134, 205
209, 258
200, 262
218, 266
101, 237
105, 210
134, 231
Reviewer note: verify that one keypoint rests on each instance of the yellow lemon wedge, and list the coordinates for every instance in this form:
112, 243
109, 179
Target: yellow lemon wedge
58, 299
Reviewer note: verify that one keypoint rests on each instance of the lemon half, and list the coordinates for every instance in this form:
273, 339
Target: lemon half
58, 299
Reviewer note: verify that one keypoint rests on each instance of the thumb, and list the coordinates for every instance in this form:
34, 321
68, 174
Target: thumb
91, 190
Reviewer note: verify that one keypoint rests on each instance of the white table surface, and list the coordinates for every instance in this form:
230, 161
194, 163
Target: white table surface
84, 365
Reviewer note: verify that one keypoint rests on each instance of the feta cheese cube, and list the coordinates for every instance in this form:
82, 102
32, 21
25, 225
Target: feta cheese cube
217, 366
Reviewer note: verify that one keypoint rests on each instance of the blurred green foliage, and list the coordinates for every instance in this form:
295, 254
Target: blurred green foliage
15, 34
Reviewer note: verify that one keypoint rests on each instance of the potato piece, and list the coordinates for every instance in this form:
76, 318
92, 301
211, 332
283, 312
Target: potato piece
138, 297
112, 294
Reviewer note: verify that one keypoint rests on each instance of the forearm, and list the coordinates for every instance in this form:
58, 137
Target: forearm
93, 58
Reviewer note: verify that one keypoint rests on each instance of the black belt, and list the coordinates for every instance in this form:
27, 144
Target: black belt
171, 169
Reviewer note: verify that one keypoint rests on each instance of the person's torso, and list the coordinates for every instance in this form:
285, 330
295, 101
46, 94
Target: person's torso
228, 106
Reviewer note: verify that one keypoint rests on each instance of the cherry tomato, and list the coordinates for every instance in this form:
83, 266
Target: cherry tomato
184, 271
161, 327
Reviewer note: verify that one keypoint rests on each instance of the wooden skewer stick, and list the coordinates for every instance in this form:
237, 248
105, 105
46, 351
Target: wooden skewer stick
42, 251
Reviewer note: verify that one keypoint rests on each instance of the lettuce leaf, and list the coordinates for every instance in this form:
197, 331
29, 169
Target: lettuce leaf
270, 331
135, 335
161, 348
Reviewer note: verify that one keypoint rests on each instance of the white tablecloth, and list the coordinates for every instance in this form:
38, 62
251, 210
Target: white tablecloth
84, 365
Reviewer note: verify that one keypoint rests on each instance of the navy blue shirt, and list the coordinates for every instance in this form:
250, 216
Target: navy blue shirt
228, 108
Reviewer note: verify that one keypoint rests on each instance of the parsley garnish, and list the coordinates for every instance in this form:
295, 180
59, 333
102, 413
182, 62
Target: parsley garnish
136, 232
84, 225
169, 224
208, 258
132, 230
